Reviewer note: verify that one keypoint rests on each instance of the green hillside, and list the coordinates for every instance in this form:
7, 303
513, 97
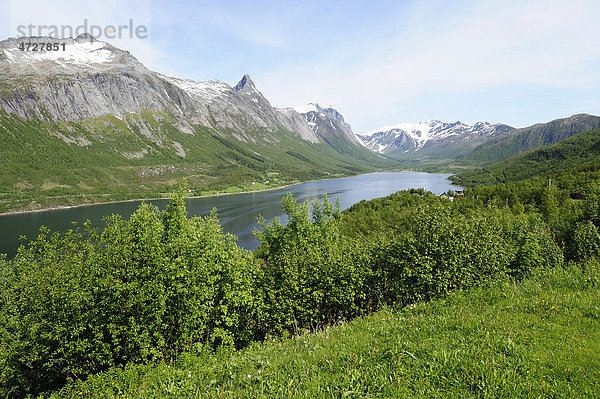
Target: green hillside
62, 163
490, 295
106, 313
522, 140
504, 340
487, 335
579, 151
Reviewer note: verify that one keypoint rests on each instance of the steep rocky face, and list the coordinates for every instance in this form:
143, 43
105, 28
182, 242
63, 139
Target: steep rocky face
86, 78
327, 124
428, 136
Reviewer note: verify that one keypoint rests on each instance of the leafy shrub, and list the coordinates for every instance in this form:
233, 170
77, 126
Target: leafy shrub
532, 243
585, 244
428, 246
434, 253
311, 275
147, 288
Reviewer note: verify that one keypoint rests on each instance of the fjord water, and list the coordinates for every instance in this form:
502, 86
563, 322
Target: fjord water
237, 213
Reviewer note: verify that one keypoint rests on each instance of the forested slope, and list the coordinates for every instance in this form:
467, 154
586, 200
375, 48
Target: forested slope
528, 138
579, 151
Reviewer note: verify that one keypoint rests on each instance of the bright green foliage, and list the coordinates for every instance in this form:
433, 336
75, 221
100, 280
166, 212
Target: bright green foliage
569, 207
538, 338
401, 249
582, 150
50, 323
425, 246
312, 275
438, 253
160, 284
584, 239
148, 288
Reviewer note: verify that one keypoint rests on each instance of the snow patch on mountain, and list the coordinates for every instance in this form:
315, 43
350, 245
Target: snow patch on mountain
209, 91
411, 137
75, 54
306, 108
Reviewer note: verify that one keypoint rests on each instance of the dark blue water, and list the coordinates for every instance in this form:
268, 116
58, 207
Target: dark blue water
237, 213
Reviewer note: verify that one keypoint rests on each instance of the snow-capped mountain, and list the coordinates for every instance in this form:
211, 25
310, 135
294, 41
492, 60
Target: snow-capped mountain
428, 136
28, 55
327, 123
85, 78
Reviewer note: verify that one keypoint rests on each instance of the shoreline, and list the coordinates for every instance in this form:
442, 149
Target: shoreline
61, 207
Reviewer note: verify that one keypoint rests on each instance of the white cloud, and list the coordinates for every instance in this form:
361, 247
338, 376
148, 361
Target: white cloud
373, 73
545, 42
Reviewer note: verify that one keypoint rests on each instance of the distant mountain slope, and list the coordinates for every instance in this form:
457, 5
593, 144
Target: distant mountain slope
430, 140
580, 150
328, 125
520, 140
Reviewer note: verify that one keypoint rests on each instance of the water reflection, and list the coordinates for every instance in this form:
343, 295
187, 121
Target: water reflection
237, 213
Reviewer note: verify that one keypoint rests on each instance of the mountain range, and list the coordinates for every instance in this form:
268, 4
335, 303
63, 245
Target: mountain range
521, 140
90, 120
91, 78
480, 144
579, 153
430, 138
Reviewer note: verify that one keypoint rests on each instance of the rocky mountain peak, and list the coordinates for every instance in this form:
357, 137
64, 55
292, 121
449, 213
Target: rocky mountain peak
327, 123
85, 38
334, 113
434, 134
245, 83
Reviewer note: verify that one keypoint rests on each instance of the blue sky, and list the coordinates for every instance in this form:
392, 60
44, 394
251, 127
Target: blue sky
377, 62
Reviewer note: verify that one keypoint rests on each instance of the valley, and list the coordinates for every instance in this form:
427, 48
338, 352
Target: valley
419, 259
95, 125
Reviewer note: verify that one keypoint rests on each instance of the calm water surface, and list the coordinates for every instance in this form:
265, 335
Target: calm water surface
237, 213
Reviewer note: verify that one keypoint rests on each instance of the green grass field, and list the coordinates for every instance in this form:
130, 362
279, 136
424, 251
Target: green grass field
538, 338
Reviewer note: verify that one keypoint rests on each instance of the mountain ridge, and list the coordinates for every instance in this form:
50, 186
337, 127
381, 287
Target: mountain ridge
91, 122
328, 124
91, 78
581, 150
531, 137
429, 141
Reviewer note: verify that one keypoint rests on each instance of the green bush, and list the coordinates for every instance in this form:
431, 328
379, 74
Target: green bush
147, 288
427, 246
311, 273
585, 244
160, 284
434, 253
